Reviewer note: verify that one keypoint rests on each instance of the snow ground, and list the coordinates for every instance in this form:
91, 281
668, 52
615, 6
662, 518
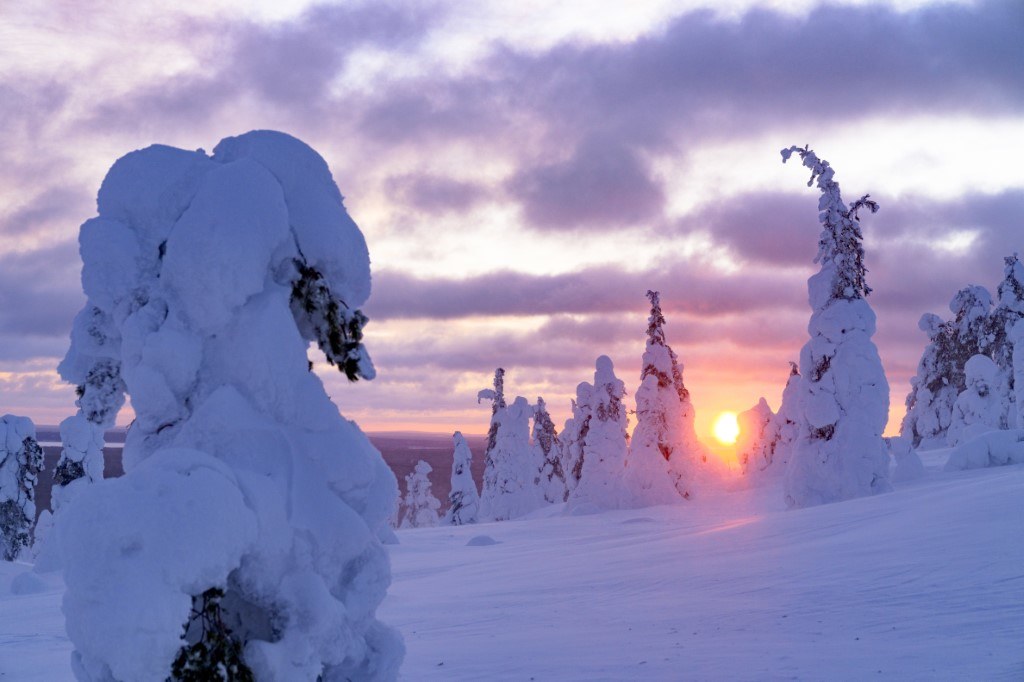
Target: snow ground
923, 583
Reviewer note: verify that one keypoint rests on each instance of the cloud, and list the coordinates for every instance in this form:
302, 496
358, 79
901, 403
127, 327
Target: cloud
602, 185
434, 194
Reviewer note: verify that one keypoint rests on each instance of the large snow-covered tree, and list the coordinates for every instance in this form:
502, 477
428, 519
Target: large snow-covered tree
602, 484
548, 451
940, 373
464, 500
510, 475
248, 501
21, 460
658, 435
419, 506
844, 395
1008, 310
1017, 338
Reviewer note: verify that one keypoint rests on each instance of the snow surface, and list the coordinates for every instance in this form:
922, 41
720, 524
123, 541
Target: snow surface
924, 583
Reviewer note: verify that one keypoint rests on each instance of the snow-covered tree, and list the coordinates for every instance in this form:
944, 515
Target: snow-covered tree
497, 397
548, 451
658, 437
464, 500
999, 345
1017, 337
510, 489
419, 506
250, 509
940, 374
602, 484
758, 433
573, 433
979, 407
844, 396
21, 460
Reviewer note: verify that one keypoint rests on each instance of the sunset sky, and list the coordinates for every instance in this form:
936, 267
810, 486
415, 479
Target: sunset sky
525, 171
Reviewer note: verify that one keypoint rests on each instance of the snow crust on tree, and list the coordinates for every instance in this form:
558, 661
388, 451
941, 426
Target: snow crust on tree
207, 278
419, 506
510, 476
548, 451
464, 500
989, 449
844, 396
979, 408
602, 484
21, 460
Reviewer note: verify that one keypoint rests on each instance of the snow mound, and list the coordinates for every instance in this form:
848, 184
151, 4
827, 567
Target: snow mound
28, 583
482, 541
995, 448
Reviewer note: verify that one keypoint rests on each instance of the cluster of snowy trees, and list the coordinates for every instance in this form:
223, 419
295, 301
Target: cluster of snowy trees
593, 464
250, 517
966, 381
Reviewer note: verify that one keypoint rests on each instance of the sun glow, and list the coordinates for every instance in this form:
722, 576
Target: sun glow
726, 428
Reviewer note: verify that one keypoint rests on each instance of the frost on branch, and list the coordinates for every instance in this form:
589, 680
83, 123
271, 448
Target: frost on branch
248, 501
844, 396
21, 460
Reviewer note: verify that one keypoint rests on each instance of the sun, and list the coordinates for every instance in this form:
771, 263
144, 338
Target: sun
726, 428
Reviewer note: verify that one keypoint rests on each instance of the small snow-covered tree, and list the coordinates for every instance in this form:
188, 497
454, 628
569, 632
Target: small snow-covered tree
510, 488
571, 442
602, 484
248, 501
21, 460
464, 500
844, 395
547, 450
978, 408
419, 506
757, 433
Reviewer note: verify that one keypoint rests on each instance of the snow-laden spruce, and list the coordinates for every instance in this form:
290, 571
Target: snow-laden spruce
999, 346
602, 484
657, 437
463, 499
419, 506
844, 395
979, 407
21, 460
1017, 337
510, 477
250, 509
940, 373
548, 451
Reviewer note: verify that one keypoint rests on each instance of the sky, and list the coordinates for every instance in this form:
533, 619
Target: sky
525, 171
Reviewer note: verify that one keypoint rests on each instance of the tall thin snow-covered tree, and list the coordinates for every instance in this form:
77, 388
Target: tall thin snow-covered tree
1017, 337
497, 397
548, 451
658, 435
510, 477
21, 460
602, 484
464, 500
419, 506
250, 509
844, 395
573, 434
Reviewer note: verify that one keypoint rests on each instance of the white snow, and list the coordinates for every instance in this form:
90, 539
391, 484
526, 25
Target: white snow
924, 583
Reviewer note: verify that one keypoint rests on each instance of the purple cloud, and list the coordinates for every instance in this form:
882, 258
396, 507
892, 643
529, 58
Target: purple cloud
434, 194
603, 184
